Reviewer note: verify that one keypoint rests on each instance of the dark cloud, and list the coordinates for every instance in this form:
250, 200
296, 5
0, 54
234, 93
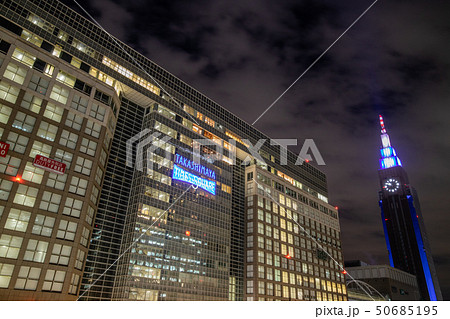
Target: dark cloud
394, 61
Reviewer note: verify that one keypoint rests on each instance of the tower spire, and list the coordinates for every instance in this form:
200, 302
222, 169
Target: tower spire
389, 157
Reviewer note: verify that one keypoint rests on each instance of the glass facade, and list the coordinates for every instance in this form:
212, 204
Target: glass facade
71, 93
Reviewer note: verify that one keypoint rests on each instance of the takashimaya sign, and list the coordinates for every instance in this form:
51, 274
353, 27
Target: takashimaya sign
183, 161
49, 164
185, 176
182, 175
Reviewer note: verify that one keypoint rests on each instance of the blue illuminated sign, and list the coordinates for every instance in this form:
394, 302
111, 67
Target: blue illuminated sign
182, 175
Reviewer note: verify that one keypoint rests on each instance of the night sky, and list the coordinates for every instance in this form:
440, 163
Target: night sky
394, 62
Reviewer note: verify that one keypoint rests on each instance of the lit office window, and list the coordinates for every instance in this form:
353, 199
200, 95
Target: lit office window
50, 202
60, 254
83, 166
43, 225
24, 57
57, 181
59, 94
47, 131
31, 102
9, 165
93, 129
5, 188
8, 92
98, 112
73, 207
80, 259
41, 149
74, 121
36, 251
24, 122
17, 220
54, 280
66, 230
73, 288
6, 271
68, 139
78, 186
26, 195
65, 78
28, 278
10, 246
5, 112
53, 112
15, 73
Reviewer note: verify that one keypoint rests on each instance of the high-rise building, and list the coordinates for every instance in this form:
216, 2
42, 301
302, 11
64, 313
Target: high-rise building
406, 239
159, 225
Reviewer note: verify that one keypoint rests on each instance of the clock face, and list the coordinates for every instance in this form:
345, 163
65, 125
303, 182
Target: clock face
391, 185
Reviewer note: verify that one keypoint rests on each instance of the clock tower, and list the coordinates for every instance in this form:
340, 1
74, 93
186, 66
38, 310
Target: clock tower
404, 229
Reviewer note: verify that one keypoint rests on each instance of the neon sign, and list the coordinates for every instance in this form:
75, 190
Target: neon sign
184, 176
183, 161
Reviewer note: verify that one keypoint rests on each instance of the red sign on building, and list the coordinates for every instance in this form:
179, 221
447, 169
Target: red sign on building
49, 164
4, 147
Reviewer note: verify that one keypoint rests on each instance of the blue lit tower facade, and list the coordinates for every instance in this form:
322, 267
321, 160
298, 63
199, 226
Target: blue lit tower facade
404, 229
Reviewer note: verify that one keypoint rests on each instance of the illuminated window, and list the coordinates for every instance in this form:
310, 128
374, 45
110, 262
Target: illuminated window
73, 288
24, 122
43, 225
64, 157
66, 230
8, 92
5, 112
10, 246
47, 131
59, 94
60, 254
94, 194
79, 103
50, 202
93, 129
6, 271
83, 166
24, 57
41, 23
38, 84
28, 278
98, 112
9, 165
80, 259
31, 102
15, 73
36, 251
53, 112
40, 148
73, 207
84, 237
17, 220
54, 280
5, 188
89, 215
99, 175
26, 195
88, 147
74, 121
65, 78
68, 139
78, 186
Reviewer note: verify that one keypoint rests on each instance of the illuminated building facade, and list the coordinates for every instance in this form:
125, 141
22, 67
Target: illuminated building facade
406, 239
160, 226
